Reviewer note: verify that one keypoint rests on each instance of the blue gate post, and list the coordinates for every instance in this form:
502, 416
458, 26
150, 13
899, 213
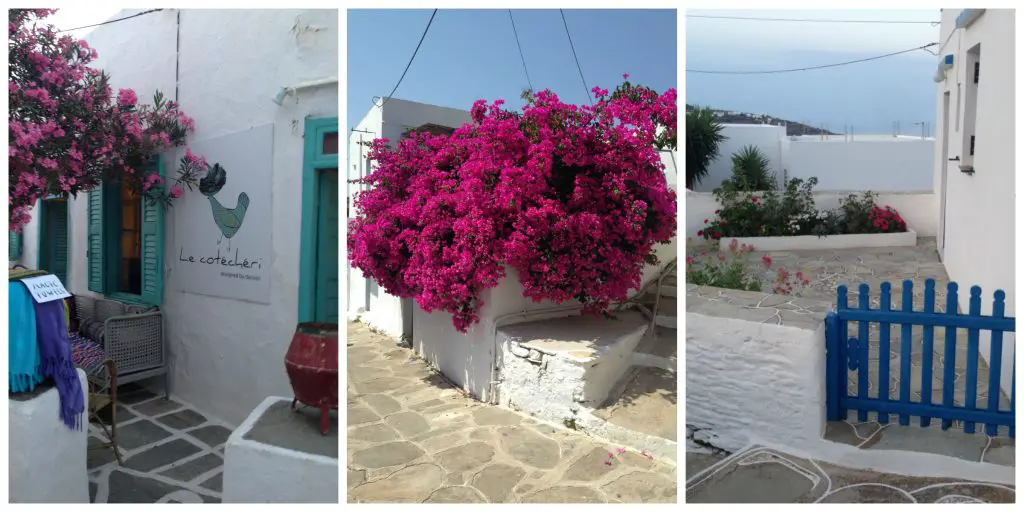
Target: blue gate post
833, 366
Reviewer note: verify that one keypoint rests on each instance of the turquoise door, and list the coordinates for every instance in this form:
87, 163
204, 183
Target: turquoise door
327, 237
53, 239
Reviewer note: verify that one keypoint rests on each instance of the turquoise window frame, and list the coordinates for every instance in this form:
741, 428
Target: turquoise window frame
42, 236
112, 245
14, 251
313, 161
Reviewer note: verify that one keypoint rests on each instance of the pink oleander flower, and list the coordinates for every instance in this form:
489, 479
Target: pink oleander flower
67, 128
127, 98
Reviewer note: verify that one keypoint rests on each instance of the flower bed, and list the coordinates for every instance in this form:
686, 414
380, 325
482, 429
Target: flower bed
789, 220
811, 242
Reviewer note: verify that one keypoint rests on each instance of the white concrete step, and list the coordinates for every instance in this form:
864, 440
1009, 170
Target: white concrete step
658, 351
550, 368
668, 309
646, 404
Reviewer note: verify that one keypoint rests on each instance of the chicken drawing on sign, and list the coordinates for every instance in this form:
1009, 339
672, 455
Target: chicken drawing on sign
228, 220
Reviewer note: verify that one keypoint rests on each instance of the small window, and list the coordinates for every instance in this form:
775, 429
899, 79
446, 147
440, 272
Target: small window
330, 143
129, 278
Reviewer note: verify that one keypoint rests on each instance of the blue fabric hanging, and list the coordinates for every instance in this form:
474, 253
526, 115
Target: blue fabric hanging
25, 371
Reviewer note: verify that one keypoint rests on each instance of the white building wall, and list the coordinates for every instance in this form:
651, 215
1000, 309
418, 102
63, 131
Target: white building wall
226, 355
979, 208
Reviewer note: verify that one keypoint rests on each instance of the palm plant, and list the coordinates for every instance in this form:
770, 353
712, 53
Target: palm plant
703, 136
751, 170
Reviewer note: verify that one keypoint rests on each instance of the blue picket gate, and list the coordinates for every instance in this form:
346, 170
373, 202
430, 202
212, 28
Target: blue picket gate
847, 353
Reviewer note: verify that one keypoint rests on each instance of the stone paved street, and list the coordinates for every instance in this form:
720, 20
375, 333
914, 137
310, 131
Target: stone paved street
763, 475
412, 437
171, 453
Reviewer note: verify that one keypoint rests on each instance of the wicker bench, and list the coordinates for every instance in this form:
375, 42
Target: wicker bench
131, 335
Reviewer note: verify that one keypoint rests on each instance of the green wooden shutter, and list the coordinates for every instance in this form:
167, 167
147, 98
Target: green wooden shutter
14, 251
57, 224
153, 247
94, 254
327, 250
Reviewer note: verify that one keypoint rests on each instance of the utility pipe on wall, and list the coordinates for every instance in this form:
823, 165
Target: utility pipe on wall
285, 91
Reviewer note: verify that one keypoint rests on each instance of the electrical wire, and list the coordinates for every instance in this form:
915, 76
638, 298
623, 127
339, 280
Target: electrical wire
810, 67
807, 20
424, 36
578, 68
112, 21
514, 32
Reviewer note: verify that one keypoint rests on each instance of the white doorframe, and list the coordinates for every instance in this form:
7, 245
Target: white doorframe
945, 173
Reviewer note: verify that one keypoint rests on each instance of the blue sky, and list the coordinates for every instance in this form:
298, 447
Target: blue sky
869, 96
472, 54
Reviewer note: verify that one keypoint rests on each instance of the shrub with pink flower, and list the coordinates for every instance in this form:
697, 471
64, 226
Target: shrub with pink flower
573, 198
67, 131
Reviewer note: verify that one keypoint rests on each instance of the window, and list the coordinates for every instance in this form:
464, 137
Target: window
125, 243
969, 140
128, 278
14, 247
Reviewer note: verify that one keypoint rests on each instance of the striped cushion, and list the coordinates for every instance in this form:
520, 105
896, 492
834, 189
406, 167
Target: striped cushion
87, 354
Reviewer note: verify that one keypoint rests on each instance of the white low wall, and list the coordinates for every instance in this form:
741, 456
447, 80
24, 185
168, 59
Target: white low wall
768, 139
47, 460
816, 243
917, 208
467, 358
256, 472
749, 379
892, 165
858, 162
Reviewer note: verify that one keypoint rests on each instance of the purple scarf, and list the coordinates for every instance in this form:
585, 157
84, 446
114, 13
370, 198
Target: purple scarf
55, 349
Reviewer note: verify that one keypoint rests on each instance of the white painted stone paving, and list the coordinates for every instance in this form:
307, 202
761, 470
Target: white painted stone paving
170, 452
765, 475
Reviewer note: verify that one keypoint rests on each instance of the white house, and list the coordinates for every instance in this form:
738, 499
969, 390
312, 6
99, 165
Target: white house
262, 88
390, 119
468, 359
974, 161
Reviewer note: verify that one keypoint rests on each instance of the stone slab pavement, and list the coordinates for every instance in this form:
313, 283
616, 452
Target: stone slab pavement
171, 453
413, 437
764, 475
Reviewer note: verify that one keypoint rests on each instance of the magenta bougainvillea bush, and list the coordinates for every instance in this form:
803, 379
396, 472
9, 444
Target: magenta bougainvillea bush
573, 198
69, 131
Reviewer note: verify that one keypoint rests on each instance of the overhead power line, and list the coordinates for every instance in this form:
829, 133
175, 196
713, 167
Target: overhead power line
810, 67
424, 36
112, 21
514, 32
811, 20
584, 80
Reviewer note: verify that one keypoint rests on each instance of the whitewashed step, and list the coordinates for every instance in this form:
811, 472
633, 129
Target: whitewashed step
668, 309
646, 405
549, 368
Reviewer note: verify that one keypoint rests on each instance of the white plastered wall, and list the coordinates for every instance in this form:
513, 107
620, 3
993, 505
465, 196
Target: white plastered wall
225, 355
979, 216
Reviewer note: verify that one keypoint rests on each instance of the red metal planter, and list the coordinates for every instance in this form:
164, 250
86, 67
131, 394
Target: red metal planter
312, 365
